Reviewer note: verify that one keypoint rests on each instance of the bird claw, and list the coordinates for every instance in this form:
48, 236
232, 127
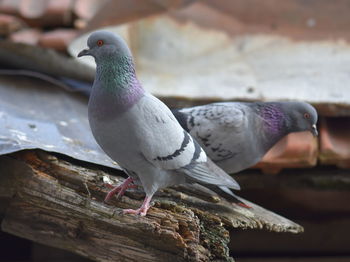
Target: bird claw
119, 189
140, 211
112, 193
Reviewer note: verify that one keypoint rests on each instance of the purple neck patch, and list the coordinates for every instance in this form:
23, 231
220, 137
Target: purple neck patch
127, 97
274, 119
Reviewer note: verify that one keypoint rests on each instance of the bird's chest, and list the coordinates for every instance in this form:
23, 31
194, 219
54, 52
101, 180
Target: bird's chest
117, 139
104, 105
110, 127
110, 123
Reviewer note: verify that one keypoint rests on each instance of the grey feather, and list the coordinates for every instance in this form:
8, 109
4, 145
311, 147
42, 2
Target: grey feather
215, 176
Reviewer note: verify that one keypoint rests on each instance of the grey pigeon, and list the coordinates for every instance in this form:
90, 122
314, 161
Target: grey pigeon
138, 131
236, 135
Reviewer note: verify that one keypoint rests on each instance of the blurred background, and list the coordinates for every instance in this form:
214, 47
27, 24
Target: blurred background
190, 52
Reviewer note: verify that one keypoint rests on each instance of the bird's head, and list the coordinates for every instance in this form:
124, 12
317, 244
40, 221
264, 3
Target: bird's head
104, 44
303, 116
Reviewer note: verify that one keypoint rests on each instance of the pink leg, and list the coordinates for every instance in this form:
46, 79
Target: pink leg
142, 211
119, 189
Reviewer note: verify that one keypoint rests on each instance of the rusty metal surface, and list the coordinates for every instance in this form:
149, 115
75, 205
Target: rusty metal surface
37, 114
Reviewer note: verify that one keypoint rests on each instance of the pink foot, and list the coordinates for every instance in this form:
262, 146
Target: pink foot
243, 205
119, 189
142, 211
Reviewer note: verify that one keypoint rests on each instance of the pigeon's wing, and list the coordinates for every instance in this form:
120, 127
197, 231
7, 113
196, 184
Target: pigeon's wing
164, 143
210, 173
170, 147
219, 128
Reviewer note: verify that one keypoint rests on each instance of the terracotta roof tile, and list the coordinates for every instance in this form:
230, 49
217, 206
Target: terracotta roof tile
296, 150
120, 11
57, 39
40, 13
28, 36
32, 9
86, 9
335, 141
61, 10
10, 6
9, 24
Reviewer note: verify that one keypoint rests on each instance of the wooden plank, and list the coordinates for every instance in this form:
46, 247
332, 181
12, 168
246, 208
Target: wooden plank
59, 203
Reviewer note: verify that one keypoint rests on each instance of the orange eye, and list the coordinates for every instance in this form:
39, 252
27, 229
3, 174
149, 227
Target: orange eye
99, 43
306, 115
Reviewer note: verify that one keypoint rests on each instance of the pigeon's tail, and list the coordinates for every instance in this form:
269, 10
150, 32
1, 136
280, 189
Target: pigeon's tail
227, 190
209, 173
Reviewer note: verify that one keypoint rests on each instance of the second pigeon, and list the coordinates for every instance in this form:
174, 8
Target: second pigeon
236, 135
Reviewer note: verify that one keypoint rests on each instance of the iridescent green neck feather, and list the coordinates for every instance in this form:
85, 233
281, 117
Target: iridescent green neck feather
118, 82
117, 73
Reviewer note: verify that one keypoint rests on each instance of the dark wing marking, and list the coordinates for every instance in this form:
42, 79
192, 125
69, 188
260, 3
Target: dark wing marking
177, 152
197, 151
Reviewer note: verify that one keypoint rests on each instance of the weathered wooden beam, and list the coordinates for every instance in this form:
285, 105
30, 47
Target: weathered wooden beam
58, 203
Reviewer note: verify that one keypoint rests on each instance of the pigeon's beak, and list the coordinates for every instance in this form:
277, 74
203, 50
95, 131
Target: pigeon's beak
314, 130
84, 52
